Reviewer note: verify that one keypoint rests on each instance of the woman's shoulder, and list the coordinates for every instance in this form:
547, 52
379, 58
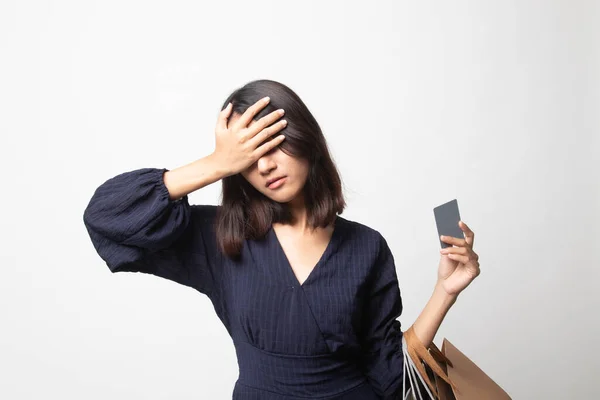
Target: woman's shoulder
359, 230
204, 218
363, 240
366, 247
205, 210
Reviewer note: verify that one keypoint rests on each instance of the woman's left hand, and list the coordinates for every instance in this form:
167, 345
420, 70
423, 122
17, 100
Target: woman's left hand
459, 265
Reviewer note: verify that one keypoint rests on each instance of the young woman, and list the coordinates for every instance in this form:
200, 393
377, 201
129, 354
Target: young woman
310, 299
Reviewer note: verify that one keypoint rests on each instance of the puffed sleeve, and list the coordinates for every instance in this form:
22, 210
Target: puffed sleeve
381, 337
134, 226
384, 349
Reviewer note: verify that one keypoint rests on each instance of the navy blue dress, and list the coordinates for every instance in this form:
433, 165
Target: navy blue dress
336, 336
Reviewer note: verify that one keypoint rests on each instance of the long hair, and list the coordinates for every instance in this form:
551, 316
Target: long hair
246, 213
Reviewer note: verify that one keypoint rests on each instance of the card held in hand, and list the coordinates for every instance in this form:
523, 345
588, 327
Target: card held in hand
446, 219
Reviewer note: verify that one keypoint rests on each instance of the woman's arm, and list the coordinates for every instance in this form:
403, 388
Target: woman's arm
459, 266
381, 336
136, 226
188, 178
428, 322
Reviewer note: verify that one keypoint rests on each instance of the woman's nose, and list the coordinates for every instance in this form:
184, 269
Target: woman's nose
265, 163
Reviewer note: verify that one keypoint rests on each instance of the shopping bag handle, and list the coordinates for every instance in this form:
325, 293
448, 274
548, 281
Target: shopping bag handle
419, 354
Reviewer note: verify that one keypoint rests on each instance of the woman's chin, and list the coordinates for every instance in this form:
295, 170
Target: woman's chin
282, 196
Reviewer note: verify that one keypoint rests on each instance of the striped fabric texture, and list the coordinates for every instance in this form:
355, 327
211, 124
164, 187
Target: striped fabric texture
336, 336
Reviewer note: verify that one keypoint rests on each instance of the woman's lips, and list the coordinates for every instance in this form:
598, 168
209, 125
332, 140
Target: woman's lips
277, 183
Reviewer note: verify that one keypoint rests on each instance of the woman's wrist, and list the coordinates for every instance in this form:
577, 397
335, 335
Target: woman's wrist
444, 297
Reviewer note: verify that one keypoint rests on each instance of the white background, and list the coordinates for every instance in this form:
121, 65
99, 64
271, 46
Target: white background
495, 103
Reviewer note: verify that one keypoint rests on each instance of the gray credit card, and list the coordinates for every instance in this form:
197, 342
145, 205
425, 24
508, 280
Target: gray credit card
446, 219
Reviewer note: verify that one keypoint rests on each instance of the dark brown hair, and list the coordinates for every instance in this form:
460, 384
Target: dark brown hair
246, 213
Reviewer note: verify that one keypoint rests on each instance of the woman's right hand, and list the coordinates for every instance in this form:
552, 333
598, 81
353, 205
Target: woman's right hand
237, 146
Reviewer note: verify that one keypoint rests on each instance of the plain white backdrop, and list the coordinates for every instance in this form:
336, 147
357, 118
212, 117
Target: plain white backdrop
495, 103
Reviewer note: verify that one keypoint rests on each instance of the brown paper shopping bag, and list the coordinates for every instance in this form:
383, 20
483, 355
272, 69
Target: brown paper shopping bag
445, 375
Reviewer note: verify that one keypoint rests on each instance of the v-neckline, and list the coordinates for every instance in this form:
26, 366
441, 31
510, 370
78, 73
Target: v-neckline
328, 249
